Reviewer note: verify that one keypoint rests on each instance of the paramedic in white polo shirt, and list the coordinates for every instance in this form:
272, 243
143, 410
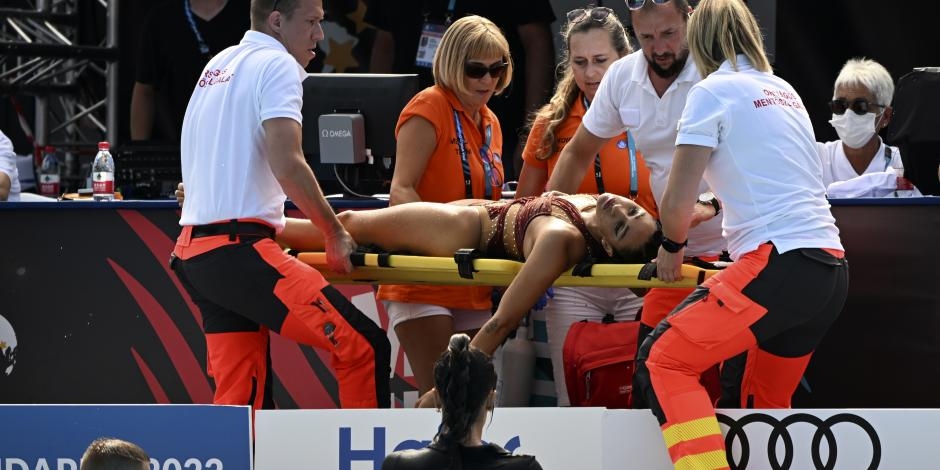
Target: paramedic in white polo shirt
645, 93
241, 154
746, 131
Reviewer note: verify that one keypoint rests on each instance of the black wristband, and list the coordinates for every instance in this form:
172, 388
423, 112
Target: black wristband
673, 247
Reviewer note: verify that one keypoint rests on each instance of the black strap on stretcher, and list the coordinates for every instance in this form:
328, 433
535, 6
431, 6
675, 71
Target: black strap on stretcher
464, 258
358, 258
583, 269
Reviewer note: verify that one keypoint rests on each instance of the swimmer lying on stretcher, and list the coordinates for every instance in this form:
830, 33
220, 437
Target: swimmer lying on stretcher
550, 233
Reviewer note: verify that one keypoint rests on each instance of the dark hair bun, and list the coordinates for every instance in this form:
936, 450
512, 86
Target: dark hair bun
459, 343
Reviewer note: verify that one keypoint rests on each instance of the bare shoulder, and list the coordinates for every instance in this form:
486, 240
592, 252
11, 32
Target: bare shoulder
550, 234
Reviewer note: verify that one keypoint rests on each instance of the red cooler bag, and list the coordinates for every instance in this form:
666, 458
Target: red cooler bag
599, 362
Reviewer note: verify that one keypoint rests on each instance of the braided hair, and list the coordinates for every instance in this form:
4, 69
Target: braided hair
464, 378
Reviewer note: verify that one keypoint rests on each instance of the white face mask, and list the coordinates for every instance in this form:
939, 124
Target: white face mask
854, 130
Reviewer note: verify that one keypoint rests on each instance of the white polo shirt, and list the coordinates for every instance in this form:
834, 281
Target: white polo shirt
8, 166
764, 167
841, 180
626, 99
224, 165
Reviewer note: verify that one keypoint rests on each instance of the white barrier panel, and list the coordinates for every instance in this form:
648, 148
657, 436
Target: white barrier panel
599, 439
561, 438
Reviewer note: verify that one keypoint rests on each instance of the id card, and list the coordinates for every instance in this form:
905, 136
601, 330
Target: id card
431, 35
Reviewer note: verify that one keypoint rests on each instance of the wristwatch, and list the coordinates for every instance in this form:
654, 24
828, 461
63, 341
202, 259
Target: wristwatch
708, 198
673, 246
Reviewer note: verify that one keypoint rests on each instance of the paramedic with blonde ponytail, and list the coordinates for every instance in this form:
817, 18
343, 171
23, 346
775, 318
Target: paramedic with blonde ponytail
748, 134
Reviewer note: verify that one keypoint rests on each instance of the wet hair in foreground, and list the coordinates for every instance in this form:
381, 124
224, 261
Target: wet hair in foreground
108, 453
464, 378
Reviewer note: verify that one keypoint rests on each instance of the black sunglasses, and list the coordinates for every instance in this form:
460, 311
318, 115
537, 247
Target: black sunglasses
637, 4
598, 14
478, 70
859, 106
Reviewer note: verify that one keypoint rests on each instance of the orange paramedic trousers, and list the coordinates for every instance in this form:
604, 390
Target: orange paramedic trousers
774, 307
245, 285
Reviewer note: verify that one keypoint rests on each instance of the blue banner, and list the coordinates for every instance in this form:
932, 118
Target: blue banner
177, 437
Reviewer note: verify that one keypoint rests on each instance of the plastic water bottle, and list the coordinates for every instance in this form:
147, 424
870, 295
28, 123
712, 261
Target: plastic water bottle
49, 177
517, 371
102, 174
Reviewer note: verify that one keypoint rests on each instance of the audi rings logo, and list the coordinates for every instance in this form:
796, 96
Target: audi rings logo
780, 431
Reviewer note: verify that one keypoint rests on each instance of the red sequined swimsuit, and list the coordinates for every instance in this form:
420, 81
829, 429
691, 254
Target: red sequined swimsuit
531, 207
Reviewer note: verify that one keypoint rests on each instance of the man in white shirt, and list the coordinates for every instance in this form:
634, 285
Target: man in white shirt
9, 177
241, 157
646, 92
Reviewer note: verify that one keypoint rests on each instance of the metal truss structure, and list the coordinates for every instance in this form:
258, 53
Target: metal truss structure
64, 54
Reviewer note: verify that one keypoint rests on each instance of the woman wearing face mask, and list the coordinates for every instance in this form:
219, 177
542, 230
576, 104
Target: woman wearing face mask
859, 164
594, 38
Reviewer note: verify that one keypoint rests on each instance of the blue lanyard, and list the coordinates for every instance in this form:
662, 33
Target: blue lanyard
450, 12
448, 16
484, 158
203, 47
631, 146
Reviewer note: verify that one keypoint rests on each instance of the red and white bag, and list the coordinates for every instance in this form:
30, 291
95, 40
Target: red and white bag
599, 362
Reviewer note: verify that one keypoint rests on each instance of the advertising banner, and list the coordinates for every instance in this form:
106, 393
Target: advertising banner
177, 437
565, 438
87, 297
600, 439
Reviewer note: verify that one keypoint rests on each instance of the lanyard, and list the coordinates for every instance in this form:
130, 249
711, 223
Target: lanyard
450, 7
484, 158
887, 157
631, 146
447, 16
203, 47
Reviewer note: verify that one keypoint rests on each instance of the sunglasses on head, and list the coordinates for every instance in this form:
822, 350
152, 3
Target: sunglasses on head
496, 70
859, 106
637, 4
598, 14
274, 8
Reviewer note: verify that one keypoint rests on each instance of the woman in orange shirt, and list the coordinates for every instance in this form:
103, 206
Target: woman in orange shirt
449, 148
594, 38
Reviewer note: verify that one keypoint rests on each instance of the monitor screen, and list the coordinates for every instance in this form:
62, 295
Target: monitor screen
379, 98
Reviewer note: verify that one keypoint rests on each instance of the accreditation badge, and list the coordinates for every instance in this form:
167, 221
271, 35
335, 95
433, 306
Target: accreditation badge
431, 35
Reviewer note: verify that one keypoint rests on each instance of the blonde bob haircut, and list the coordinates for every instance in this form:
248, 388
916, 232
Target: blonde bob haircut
719, 30
469, 37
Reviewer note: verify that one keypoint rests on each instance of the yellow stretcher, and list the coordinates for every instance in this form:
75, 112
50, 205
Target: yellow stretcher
371, 268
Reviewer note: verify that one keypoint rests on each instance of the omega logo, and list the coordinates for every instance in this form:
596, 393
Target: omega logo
340, 133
